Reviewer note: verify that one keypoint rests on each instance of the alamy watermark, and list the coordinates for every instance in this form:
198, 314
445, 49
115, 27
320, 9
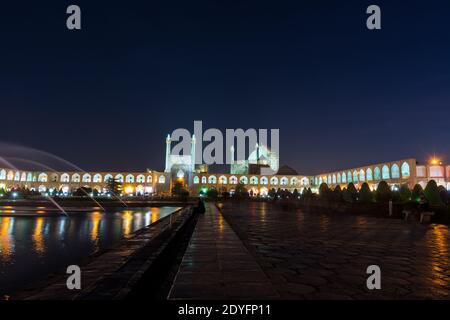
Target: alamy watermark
220, 150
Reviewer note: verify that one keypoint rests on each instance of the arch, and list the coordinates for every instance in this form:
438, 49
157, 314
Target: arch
294, 181
29, 177
405, 170
385, 172
162, 179
243, 179
212, 179
2, 174
362, 175
320, 180
395, 171
334, 179
253, 180
97, 178
149, 179
344, 177
304, 181
233, 180
86, 177
349, 177
264, 181
284, 181
203, 179
274, 181
140, 178
17, 176
264, 192
316, 181
23, 176
64, 177
64, 189
369, 175
140, 190
196, 180
76, 177
108, 177
42, 177
180, 174
338, 178
377, 173
355, 176
129, 178
119, 177
223, 180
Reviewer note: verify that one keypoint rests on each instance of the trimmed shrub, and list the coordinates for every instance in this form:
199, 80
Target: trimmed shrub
365, 194
432, 193
337, 194
405, 193
443, 193
416, 192
383, 193
324, 190
352, 193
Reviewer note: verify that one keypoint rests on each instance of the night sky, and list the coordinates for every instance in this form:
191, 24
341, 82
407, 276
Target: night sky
105, 97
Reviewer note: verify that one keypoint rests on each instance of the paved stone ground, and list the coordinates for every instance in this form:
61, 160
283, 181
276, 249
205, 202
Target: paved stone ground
325, 256
217, 265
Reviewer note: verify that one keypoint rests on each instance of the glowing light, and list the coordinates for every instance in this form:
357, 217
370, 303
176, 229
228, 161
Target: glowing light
129, 189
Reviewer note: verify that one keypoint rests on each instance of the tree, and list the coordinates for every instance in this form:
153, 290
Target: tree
405, 193
384, 193
272, 193
352, 193
240, 191
307, 193
83, 192
324, 191
365, 194
443, 193
337, 194
432, 193
416, 192
114, 187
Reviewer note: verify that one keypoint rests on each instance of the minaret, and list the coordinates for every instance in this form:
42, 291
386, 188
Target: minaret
232, 154
257, 153
168, 141
193, 153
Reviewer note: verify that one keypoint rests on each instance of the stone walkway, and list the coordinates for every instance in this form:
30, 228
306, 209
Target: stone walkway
217, 265
325, 256
256, 250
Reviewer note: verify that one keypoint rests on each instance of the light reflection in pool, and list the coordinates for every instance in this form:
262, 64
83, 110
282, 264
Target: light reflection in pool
34, 246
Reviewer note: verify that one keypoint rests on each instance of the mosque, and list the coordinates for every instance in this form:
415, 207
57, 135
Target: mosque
250, 173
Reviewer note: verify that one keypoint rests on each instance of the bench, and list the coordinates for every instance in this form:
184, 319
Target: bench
425, 216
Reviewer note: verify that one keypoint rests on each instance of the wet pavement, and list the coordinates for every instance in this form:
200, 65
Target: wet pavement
256, 250
217, 265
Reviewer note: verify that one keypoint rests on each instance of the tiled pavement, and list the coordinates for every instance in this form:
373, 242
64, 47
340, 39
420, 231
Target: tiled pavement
217, 265
296, 255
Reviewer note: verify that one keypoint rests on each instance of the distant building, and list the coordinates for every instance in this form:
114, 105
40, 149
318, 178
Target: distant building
182, 169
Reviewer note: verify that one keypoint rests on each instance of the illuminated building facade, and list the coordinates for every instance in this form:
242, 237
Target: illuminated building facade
196, 178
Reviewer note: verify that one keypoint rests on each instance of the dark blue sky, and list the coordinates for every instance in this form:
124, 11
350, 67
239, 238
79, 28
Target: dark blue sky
106, 96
